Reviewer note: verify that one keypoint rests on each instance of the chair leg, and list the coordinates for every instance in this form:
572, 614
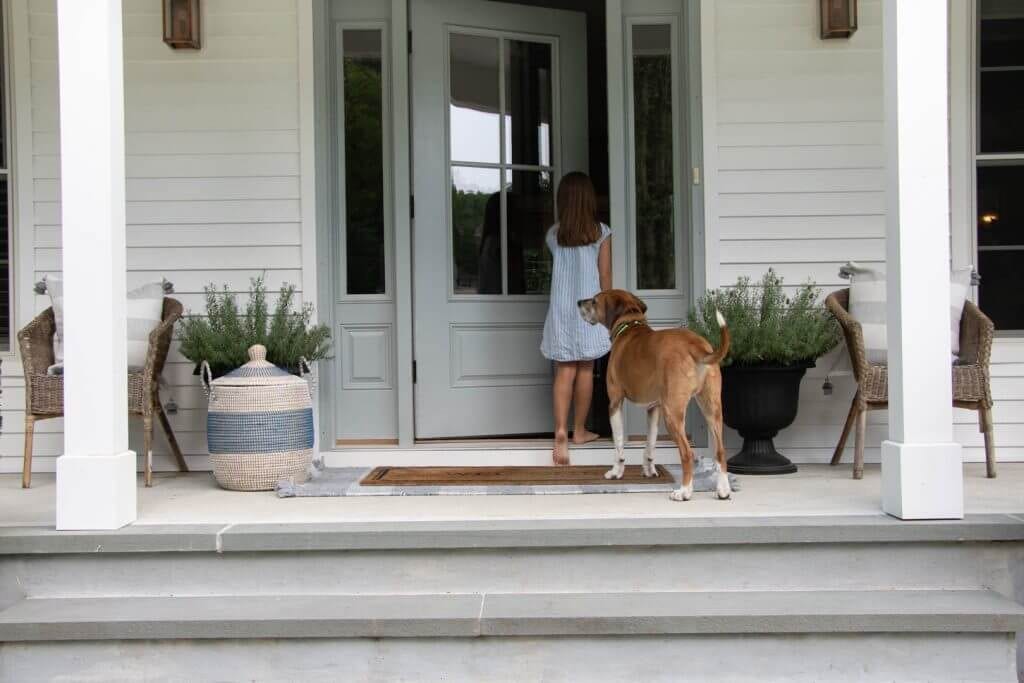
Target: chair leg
841, 446
147, 449
985, 423
26, 465
858, 457
171, 440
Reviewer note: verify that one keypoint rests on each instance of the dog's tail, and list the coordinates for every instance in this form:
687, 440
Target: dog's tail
718, 354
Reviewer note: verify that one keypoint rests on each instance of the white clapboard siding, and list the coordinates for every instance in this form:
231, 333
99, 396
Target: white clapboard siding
213, 180
801, 188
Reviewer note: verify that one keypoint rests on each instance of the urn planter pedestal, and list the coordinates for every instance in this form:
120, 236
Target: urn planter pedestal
759, 401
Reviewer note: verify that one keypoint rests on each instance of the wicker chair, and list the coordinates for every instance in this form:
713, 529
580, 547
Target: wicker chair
44, 394
971, 386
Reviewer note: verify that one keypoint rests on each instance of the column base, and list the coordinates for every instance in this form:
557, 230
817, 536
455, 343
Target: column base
95, 492
922, 480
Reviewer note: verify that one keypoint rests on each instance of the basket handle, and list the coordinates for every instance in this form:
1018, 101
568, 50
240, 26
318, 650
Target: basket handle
205, 376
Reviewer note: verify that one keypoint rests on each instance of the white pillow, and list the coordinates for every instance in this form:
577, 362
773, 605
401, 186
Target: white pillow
868, 307
145, 309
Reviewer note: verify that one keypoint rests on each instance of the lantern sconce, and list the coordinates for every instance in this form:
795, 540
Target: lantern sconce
181, 24
838, 18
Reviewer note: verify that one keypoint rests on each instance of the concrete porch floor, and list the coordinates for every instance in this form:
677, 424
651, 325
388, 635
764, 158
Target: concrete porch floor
816, 490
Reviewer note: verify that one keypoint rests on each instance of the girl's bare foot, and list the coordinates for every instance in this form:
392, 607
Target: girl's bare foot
581, 436
560, 453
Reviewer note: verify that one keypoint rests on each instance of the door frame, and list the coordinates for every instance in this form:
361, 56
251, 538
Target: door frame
696, 31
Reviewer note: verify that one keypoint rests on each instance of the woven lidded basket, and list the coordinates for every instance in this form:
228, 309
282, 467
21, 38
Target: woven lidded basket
259, 428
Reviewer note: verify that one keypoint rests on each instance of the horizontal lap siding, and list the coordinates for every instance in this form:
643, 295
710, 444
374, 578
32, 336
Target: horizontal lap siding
212, 162
801, 189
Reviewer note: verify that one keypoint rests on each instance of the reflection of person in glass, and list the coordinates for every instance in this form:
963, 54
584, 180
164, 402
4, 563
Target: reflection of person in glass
489, 277
582, 267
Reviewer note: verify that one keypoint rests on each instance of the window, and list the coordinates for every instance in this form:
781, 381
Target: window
501, 160
365, 232
1000, 161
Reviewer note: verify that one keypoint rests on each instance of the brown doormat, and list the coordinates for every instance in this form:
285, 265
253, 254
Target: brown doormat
508, 476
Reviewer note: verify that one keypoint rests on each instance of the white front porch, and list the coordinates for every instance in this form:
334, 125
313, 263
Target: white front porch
815, 491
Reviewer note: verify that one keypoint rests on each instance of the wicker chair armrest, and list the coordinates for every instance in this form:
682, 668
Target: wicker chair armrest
976, 333
852, 332
35, 341
160, 343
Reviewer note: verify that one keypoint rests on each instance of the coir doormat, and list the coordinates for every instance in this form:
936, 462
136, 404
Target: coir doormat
588, 475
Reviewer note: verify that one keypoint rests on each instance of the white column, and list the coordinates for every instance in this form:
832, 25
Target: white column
922, 471
96, 474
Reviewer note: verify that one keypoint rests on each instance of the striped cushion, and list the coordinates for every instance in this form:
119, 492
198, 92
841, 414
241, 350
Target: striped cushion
868, 307
145, 310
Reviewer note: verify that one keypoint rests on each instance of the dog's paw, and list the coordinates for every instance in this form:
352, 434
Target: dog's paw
616, 472
723, 490
650, 470
682, 493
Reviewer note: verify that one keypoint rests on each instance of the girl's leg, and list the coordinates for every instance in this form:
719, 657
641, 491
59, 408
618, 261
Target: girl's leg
565, 375
584, 391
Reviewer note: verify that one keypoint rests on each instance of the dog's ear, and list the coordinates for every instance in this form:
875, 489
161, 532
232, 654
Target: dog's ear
643, 306
613, 307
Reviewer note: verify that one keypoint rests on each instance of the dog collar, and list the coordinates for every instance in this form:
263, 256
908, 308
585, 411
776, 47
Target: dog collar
622, 327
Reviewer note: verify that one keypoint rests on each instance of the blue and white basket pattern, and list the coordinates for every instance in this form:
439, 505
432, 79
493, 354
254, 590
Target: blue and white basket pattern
259, 427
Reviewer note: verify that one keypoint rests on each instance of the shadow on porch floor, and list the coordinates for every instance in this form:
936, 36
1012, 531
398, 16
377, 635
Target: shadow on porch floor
814, 490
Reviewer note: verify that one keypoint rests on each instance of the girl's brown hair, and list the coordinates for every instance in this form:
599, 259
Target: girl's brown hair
577, 211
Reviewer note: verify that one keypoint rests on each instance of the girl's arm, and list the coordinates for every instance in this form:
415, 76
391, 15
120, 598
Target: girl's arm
604, 263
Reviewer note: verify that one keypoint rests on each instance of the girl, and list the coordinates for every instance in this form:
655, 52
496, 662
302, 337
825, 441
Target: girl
582, 266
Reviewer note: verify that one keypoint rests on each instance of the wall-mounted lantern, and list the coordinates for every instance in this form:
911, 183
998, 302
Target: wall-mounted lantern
838, 18
181, 24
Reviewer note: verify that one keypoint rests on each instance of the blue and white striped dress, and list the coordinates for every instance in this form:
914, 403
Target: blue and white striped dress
574, 276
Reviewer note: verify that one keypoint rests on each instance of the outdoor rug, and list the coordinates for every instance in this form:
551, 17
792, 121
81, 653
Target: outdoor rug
348, 481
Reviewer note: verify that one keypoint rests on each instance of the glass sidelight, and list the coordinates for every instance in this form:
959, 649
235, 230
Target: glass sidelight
501, 161
654, 156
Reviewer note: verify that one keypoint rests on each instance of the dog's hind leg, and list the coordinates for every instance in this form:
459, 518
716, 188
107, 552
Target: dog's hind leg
676, 428
615, 417
709, 402
653, 416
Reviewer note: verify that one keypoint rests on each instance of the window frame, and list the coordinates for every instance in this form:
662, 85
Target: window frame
978, 159
7, 170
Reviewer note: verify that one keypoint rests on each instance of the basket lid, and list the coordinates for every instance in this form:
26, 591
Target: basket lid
258, 372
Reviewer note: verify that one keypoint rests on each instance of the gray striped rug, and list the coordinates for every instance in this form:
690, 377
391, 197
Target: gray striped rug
334, 482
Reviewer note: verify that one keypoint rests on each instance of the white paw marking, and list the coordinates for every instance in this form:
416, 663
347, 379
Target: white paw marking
724, 490
682, 493
649, 469
616, 472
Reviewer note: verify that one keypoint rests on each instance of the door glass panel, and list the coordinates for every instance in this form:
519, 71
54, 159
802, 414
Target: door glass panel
476, 229
365, 242
530, 206
474, 107
528, 102
653, 156
1001, 244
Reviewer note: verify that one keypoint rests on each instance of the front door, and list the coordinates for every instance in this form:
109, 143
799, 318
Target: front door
499, 114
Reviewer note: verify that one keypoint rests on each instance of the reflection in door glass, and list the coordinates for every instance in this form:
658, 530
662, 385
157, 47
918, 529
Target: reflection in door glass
365, 243
653, 156
528, 102
475, 105
476, 229
530, 206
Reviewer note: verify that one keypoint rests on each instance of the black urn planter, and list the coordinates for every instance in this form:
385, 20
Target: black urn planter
758, 402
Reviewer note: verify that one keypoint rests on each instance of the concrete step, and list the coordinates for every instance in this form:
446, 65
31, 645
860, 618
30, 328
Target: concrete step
510, 614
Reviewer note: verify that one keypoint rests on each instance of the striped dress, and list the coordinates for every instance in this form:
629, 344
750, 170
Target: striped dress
574, 276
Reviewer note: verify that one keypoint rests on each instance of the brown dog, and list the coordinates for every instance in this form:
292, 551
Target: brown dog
661, 370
